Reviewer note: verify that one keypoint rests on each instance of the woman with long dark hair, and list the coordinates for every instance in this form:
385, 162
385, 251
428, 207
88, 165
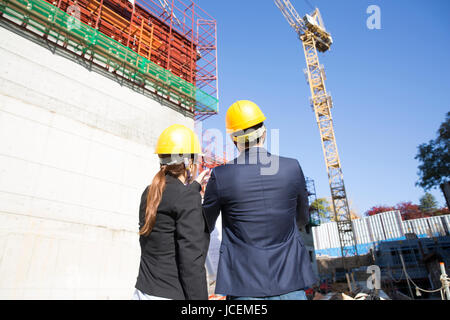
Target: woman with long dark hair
173, 235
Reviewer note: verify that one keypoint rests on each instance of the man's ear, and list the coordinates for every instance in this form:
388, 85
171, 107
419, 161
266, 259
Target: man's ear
263, 138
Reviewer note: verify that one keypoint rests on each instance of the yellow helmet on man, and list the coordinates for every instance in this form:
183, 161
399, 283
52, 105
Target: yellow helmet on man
242, 115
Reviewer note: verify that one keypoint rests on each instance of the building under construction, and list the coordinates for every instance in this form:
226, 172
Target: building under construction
383, 227
86, 87
406, 251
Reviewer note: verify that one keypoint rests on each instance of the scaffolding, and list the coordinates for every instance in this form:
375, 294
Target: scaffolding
314, 216
142, 43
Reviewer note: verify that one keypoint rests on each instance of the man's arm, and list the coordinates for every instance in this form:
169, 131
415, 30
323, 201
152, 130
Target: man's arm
302, 201
211, 202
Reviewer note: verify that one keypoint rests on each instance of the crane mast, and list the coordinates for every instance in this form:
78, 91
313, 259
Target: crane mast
314, 37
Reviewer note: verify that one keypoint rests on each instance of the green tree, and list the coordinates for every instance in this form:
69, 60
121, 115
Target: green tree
428, 203
323, 208
434, 158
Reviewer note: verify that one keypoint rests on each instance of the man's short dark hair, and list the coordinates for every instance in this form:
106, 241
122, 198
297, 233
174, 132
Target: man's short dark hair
249, 130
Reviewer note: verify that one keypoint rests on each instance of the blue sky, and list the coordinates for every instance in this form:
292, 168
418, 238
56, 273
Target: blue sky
390, 87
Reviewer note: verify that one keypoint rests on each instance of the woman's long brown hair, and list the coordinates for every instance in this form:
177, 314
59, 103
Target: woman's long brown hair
155, 192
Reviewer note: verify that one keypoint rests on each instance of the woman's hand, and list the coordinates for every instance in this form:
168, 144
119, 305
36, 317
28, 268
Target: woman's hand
203, 177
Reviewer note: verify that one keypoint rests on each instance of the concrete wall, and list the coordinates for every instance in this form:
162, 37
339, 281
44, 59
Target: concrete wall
76, 152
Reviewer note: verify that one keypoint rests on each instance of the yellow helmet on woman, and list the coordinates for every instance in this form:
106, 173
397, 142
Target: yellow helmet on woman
178, 139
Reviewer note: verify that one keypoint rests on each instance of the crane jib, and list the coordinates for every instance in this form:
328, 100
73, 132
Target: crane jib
314, 37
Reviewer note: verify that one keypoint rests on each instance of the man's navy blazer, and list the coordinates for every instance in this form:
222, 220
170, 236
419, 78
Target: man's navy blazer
263, 199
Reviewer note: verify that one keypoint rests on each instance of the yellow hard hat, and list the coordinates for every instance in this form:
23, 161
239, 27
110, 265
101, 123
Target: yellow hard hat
178, 139
242, 115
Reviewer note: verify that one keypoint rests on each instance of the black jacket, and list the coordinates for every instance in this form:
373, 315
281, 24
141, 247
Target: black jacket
173, 255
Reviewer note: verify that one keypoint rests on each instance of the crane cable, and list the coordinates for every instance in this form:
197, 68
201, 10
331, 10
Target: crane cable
392, 276
444, 280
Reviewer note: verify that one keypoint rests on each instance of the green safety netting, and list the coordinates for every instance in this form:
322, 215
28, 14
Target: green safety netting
59, 25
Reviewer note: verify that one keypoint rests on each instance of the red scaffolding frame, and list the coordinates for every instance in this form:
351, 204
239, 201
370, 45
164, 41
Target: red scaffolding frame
195, 24
177, 35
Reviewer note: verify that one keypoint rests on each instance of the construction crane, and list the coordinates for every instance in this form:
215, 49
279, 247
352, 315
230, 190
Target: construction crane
314, 37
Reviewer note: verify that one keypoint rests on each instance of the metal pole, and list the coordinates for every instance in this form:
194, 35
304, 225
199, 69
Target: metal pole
407, 280
444, 279
353, 280
374, 281
348, 282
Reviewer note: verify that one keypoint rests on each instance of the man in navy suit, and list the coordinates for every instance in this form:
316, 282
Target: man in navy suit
263, 199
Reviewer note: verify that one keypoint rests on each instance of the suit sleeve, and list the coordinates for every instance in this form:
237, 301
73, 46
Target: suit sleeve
302, 200
211, 202
190, 239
